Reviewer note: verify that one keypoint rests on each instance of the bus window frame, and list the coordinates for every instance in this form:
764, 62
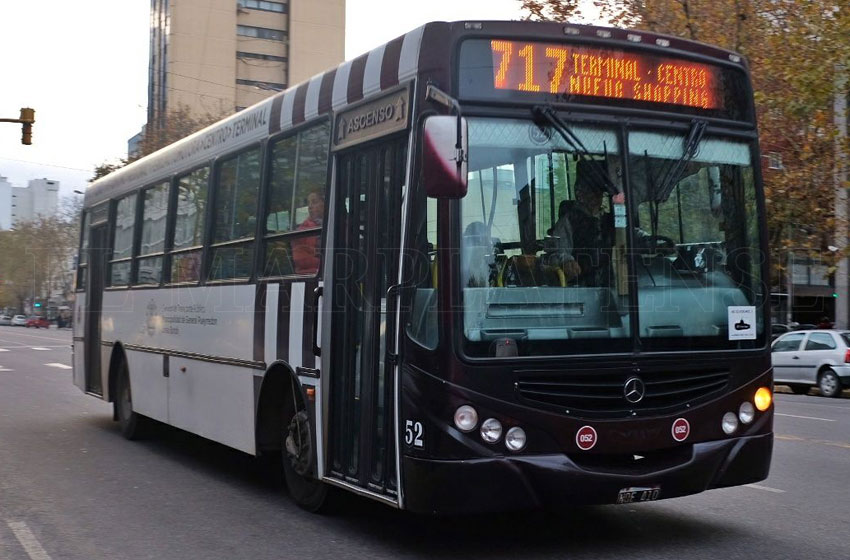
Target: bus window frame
161, 254
92, 212
212, 198
113, 219
82, 268
415, 191
621, 125
263, 237
167, 280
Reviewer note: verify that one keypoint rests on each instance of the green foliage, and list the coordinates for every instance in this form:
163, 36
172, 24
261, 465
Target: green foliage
37, 257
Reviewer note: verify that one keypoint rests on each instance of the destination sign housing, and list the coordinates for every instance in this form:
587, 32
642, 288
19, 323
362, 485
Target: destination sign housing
604, 72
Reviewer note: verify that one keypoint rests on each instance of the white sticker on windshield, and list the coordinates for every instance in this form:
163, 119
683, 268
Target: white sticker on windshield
742, 322
619, 216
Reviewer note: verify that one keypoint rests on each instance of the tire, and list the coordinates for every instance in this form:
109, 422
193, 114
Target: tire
800, 389
829, 384
132, 424
299, 460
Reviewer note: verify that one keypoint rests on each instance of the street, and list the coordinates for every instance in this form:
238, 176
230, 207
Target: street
72, 488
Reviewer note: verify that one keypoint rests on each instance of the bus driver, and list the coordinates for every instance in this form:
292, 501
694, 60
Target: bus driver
579, 235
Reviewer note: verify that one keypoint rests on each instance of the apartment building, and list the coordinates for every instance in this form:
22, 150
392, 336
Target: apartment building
5, 203
39, 198
215, 57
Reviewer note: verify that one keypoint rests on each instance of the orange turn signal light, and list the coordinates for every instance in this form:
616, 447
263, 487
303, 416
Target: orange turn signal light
763, 398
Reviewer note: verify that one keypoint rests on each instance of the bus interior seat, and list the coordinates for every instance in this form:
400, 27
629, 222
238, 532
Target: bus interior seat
278, 258
530, 271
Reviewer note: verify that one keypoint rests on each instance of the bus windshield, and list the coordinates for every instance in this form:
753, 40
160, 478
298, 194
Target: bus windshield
701, 285
555, 240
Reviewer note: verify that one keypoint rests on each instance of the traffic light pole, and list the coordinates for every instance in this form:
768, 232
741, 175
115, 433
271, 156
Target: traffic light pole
27, 119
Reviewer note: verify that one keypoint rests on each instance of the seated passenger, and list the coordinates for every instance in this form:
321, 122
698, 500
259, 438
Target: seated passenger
305, 250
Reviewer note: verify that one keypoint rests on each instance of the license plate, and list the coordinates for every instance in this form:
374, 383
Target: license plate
634, 495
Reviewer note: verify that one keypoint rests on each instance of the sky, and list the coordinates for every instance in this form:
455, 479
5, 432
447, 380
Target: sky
83, 67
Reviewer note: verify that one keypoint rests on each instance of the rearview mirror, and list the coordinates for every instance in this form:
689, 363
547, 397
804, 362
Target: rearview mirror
444, 156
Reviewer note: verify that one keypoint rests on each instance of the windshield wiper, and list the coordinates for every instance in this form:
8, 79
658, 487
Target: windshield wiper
600, 174
674, 173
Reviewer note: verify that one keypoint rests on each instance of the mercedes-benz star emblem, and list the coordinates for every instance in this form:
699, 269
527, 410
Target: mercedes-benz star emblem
634, 390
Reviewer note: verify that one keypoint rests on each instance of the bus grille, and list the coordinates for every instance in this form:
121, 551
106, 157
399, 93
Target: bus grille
601, 393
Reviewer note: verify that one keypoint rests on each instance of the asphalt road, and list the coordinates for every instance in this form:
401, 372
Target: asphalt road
72, 487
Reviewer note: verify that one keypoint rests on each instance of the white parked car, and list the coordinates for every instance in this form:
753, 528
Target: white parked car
19, 321
821, 358
5, 320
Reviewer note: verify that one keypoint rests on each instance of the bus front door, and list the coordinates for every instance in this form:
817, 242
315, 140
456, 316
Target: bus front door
94, 303
367, 218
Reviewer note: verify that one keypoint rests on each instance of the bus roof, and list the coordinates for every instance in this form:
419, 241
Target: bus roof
382, 68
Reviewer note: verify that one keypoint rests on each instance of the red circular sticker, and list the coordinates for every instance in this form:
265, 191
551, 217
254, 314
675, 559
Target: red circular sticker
586, 438
681, 429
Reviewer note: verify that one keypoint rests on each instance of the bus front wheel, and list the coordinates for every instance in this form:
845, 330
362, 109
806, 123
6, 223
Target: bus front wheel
299, 459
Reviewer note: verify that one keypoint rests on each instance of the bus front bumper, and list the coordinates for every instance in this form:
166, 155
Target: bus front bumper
556, 482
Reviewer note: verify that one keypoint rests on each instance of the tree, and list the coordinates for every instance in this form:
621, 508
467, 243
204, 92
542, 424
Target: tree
556, 10
177, 124
37, 257
794, 48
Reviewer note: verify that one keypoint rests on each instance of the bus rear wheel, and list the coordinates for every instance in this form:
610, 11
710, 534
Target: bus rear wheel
133, 425
299, 459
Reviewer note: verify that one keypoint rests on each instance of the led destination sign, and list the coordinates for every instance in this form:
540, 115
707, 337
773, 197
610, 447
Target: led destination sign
604, 72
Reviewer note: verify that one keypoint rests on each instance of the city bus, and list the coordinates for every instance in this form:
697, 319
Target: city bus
485, 266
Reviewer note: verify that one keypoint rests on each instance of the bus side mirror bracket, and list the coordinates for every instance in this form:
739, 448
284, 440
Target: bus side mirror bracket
445, 149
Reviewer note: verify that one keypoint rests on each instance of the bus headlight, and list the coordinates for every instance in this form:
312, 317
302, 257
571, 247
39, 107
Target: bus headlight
491, 430
466, 418
730, 423
746, 412
515, 439
763, 399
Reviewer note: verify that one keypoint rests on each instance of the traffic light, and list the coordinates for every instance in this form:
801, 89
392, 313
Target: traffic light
27, 118
37, 304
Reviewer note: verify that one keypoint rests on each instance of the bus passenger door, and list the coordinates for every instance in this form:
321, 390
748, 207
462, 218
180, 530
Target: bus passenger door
94, 302
367, 218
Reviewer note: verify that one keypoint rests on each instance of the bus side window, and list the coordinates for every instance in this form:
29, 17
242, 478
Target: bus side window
188, 235
422, 325
83, 259
122, 245
237, 189
295, 213
154, 212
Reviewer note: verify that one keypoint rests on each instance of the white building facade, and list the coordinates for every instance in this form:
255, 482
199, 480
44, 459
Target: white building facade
39, 198
5, 203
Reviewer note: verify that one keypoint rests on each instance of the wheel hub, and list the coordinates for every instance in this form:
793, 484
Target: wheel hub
298, 443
